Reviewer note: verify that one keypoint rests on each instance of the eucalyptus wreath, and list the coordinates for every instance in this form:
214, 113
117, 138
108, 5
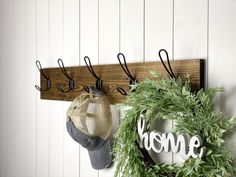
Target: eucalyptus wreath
161, 97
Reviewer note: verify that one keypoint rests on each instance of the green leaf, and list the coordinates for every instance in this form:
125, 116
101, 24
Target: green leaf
166, 98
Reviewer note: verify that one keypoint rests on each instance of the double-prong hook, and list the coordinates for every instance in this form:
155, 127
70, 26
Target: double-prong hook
132, 79
71, 83
170, 71
121, 90
98, 83
48, 81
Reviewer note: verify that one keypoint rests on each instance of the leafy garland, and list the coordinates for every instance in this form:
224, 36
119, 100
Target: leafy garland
166, 98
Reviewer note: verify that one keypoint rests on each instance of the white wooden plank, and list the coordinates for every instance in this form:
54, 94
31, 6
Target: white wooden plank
222, 62
158, 28
56, 139
89, 47
108, 31
30, 92
71, 57
71, 31
42, 32
108, 50
158, 35
131, 29
43, 137
71, 150
6, 56
89, 31
43, 106
190, 34
57, 116
56, 36
19, 78
3, 18
190, 29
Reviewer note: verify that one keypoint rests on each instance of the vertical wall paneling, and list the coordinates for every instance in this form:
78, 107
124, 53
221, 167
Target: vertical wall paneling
33, 138
71, 32
89, 30
190, 33
57, 118
88, 47
43, 106
158, 28
2, 55
222, 63
108, 50
29, 90
3, 16
71, 57
6, 118
108, 31
158, 35
131, 29
19, 82
190, 29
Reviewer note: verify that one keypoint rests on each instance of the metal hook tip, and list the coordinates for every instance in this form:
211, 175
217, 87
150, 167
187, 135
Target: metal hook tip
59, 87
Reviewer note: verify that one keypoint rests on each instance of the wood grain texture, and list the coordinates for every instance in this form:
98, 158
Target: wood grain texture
113, 76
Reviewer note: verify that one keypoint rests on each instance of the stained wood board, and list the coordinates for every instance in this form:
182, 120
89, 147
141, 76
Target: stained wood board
113, 76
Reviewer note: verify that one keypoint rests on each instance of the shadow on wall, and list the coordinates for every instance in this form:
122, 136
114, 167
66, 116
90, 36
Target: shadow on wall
226, 102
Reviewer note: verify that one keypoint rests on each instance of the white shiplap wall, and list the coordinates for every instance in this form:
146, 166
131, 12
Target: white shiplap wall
33, 138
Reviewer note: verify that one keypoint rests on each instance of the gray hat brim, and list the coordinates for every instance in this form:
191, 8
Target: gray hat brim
99, 150
101, 158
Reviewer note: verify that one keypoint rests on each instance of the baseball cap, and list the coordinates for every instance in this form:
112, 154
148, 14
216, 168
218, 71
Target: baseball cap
92, 128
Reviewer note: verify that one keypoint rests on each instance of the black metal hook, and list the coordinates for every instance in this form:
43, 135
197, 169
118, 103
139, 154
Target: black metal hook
90, 68
49, 83
170, 71
71, 83
86, 88
122, 91
132, 79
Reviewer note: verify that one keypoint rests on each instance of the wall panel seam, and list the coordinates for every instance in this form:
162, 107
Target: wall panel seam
98, 33
79, 56
63, 105
119, 25
144, 29
49, 121
36, 100
208, 37
173, 56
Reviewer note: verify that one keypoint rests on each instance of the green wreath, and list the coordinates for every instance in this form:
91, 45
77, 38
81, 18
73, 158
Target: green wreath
164, 98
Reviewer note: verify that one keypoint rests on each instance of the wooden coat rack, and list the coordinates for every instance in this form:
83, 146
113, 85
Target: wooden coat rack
113, 76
